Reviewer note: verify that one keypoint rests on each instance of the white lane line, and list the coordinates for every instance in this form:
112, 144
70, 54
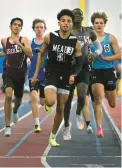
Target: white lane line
44, 156
21, 118
38, 157
2, 108
119, 134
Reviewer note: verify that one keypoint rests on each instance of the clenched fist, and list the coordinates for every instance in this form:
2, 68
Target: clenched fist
71, 79
33, 80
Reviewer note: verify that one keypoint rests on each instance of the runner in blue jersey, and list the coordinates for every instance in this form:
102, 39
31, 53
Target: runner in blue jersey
103, 73
39, 27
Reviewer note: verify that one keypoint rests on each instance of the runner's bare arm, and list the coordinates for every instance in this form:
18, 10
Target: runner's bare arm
3, 42
42, 53
78, 58
96, 42
116, 49
26, 47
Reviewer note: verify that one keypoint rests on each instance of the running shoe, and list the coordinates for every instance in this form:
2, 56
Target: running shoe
15, 117
48, 109
80, 122
37, 128
100, 133
89, 129
67, 132
52, 142
7, 132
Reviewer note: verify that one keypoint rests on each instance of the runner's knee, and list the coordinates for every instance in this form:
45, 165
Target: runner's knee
112, 104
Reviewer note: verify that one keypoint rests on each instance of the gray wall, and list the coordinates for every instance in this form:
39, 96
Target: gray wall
48, 9
29, 10
112, 8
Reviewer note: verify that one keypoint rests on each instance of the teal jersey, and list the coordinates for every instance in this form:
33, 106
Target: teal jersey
107, 51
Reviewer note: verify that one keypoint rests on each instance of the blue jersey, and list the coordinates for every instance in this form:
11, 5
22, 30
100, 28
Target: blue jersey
107, 51
35, 49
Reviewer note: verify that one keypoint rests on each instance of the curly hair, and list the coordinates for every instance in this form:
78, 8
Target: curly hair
65, 12
35, 21
101, 15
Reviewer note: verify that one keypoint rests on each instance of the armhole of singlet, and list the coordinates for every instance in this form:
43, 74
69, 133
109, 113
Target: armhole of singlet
4, 46
20, 39
7, 41
31, 42
49, 41
107, 35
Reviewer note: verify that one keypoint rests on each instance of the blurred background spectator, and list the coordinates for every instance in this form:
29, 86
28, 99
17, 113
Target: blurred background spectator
1, 71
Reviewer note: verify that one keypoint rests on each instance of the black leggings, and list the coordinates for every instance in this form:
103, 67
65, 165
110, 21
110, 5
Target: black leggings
81, 92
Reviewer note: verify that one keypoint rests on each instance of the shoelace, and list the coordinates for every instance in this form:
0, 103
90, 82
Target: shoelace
36, 126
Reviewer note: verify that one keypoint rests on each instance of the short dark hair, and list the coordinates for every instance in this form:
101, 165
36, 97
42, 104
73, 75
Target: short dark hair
35, 21
101, 15
17, 18
65, 12
77, 9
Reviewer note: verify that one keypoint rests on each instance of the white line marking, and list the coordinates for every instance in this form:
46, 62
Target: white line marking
84, 156
38, 157
22, 167
23, 102
44, 156
21, 118
113, 123
93, 165
1, 110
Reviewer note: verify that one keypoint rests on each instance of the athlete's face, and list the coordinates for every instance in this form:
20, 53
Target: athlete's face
99, 25
65, 23
78, 15
16, 27
39, 29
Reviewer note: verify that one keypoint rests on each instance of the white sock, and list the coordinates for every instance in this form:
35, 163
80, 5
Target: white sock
36, 120
52, 135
